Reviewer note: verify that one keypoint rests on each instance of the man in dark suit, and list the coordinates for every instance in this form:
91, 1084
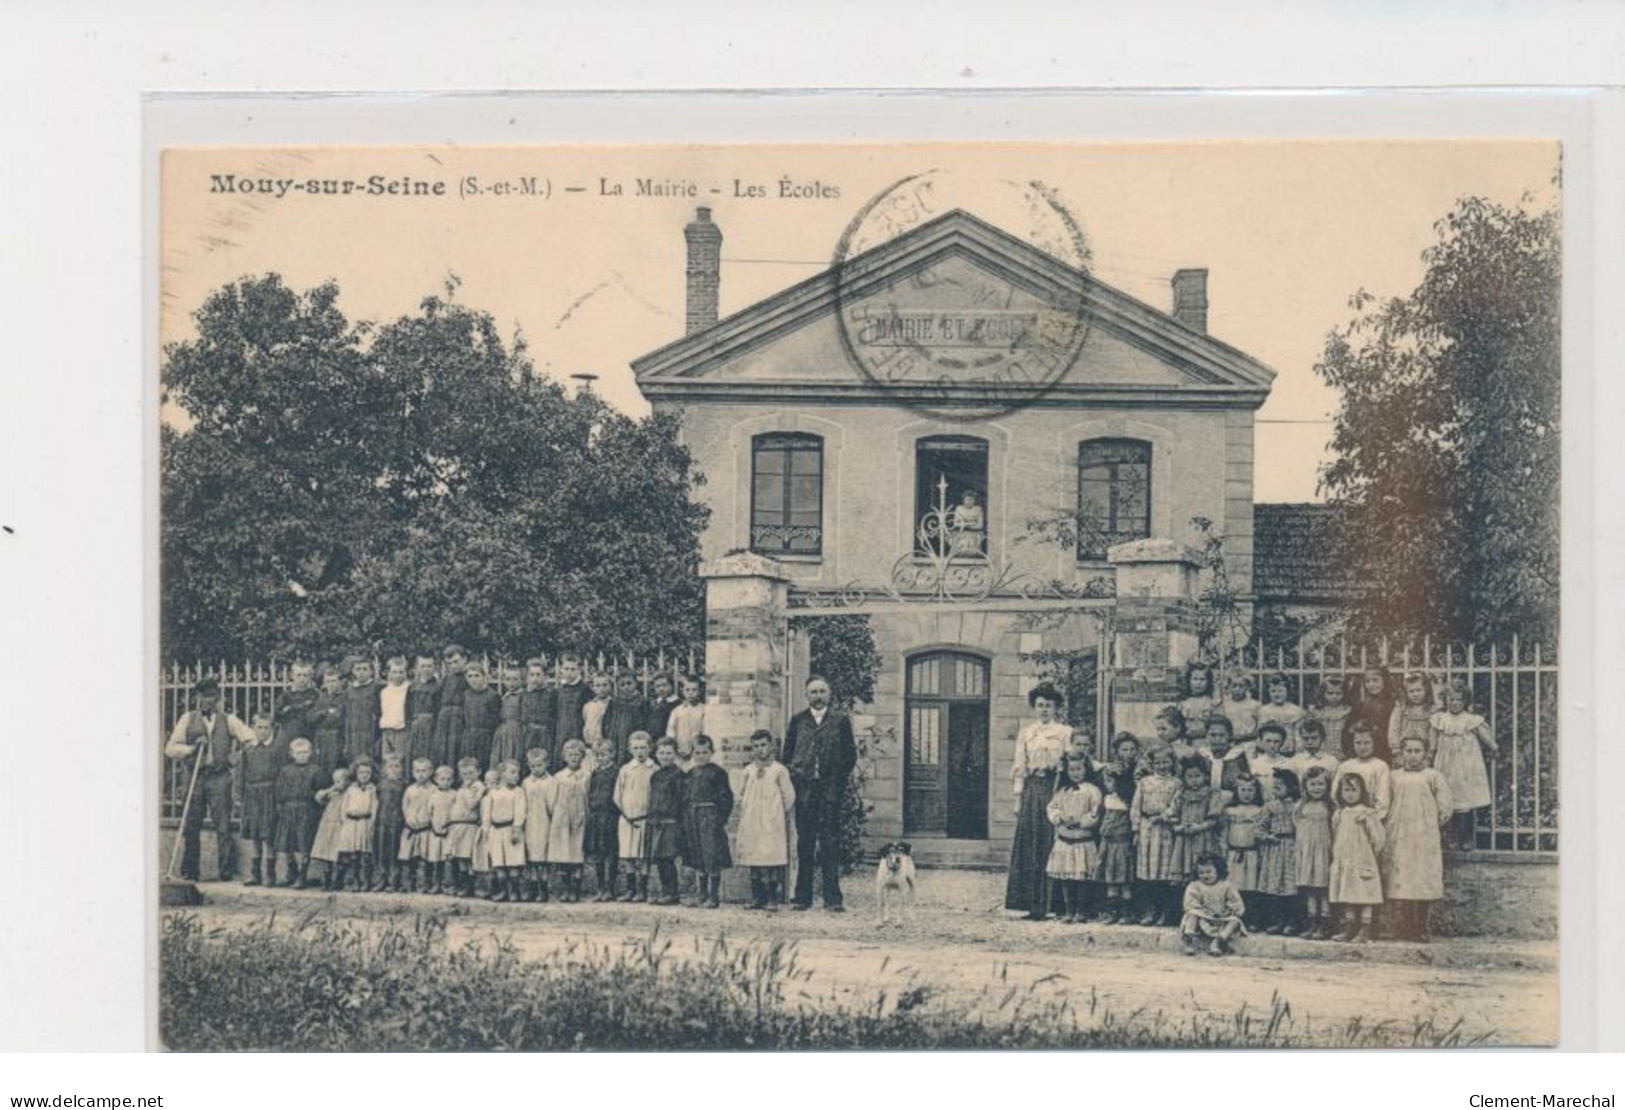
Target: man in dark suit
820, 753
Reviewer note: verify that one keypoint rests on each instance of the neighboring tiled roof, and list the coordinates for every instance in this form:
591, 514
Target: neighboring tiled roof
1293, 558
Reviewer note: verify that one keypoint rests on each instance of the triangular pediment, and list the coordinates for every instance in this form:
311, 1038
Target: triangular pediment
962, 306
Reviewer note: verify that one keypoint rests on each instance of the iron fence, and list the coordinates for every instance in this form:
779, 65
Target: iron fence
1514, 686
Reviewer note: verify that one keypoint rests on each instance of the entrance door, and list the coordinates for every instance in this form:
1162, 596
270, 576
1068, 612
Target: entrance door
945, 779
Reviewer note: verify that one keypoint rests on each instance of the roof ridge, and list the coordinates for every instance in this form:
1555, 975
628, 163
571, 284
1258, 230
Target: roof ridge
1198, 353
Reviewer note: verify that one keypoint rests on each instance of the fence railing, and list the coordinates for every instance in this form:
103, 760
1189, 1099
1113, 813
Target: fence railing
1514, 686
252, 687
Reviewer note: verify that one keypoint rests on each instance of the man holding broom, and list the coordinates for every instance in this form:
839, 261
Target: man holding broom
204, 740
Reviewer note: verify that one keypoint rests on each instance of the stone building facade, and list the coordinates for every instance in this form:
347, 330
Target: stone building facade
985, 451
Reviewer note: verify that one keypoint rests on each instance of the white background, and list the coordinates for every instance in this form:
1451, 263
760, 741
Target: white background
75, 428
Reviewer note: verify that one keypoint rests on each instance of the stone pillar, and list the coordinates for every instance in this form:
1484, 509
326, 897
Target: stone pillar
746, 624
746, 636
1155, 629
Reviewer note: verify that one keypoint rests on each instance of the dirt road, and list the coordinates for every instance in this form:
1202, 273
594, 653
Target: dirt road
959, 943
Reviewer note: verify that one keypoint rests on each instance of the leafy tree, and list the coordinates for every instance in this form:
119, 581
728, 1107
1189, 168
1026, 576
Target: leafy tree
842, 649
1446, 439
340, 485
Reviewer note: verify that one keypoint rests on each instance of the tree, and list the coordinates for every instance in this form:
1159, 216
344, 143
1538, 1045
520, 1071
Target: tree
842, 649
394, 487
1446, 461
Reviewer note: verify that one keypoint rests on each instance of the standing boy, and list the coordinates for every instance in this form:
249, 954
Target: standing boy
568, 702
361, 713
392, 721
448, 725
260, 760
327, 722
687, 721
422, 707
295, 796
627, 713
710, 802
767, 804
632, 803
660, 707
387, 826
502, 814
417, 828
482, 709
296, 706
538, 713
538, 788
567, 820
662, 834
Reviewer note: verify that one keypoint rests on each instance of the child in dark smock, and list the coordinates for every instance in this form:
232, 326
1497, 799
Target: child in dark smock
538, 714
327, 722
422, 707
662, 836
710, 802
601, 844
387, 826
508, 742
1117, 843
448, 722
295, 798
482, 709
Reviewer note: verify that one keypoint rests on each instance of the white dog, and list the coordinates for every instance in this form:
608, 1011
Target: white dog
894, 882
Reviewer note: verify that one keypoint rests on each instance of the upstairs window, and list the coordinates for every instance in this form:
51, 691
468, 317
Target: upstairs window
787, 494
950, 496
1114, 494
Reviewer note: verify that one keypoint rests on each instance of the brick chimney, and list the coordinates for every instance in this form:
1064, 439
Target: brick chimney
704, 270
1190, 298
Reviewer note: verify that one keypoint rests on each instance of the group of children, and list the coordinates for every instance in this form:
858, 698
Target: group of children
1248, 811
383, 794
1295, 822
472, 831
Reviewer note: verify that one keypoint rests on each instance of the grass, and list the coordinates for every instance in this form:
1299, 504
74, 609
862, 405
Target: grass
331, 984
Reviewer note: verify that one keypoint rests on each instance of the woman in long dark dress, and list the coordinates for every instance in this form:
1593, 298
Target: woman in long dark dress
1040, 747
